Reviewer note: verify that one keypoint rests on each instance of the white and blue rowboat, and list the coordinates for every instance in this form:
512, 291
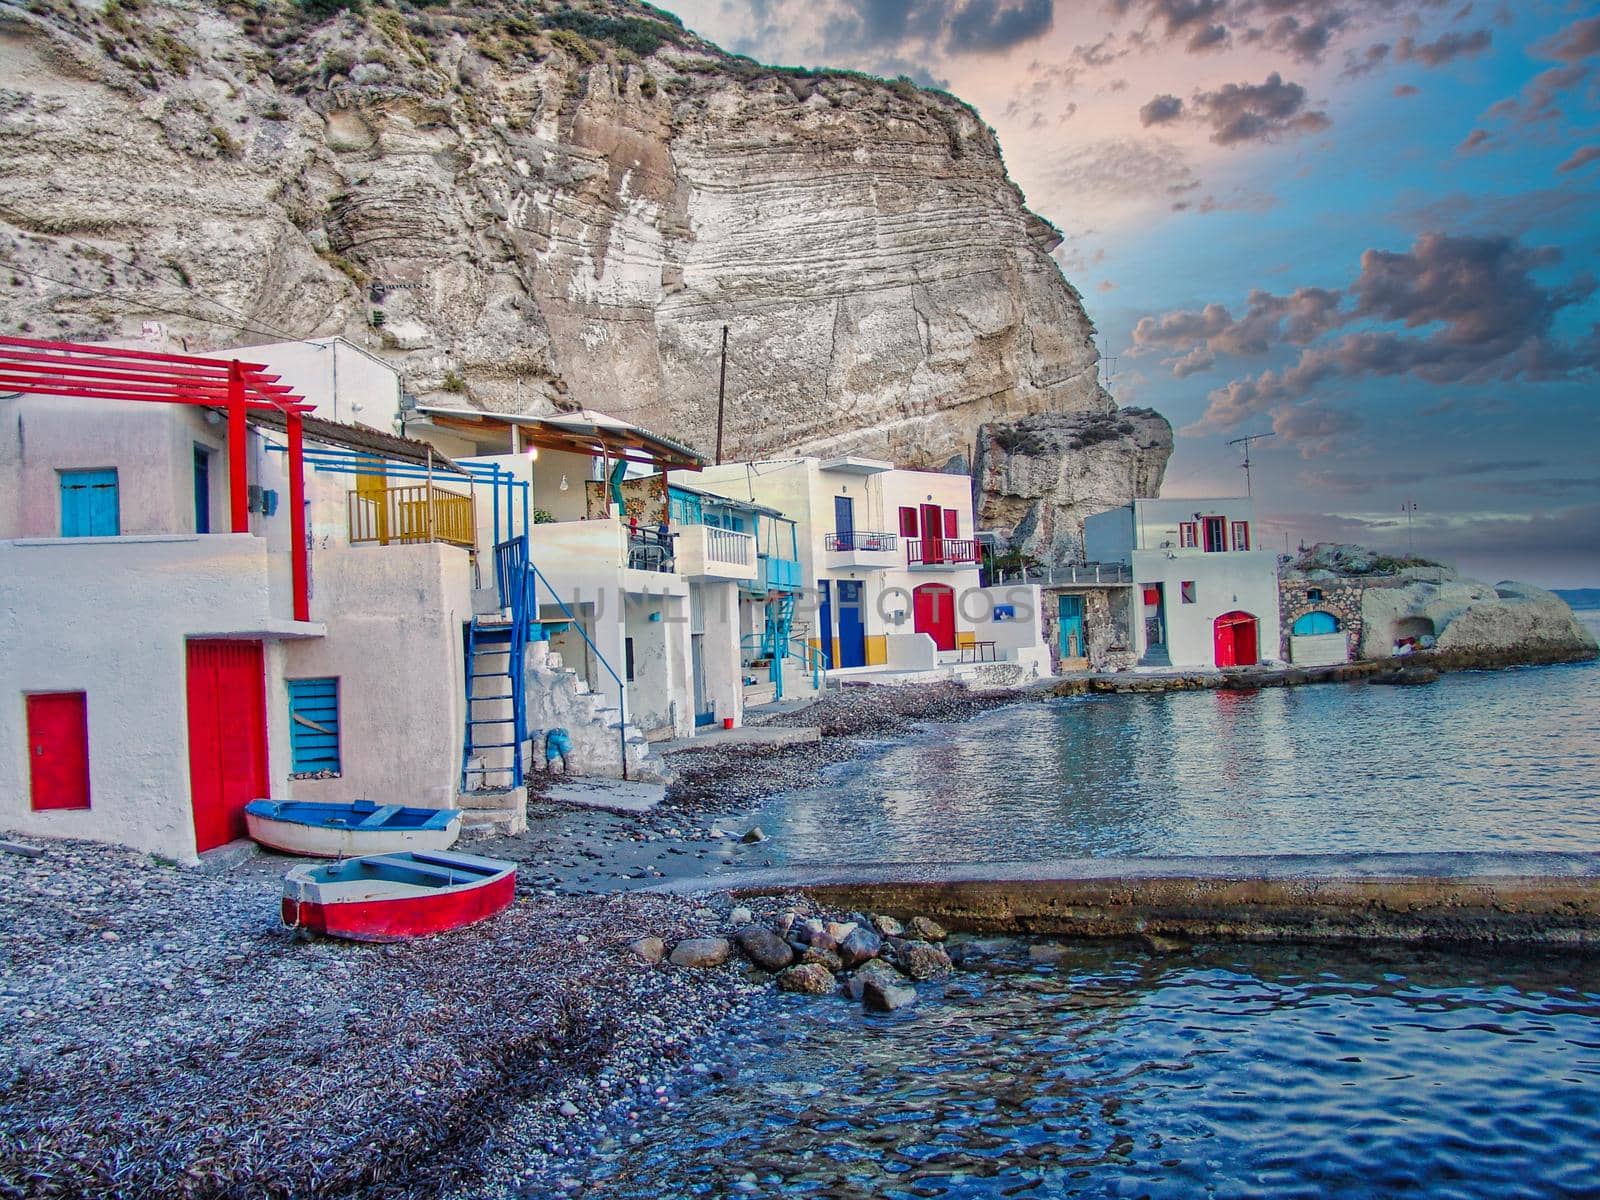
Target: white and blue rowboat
348, 830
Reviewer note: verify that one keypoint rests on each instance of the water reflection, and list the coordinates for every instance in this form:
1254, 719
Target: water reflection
1497, 760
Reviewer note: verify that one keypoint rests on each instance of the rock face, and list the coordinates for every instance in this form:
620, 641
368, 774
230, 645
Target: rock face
527, 207
1464, 615
1039, 477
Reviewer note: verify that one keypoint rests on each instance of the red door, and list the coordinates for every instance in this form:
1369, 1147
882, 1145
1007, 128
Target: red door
1235, 640
932, 534
227, 737
933, 612
58, 750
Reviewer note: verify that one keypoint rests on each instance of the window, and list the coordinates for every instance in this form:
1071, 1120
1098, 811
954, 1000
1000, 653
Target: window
627, 659
908, 521
314, 726
1186, 591
1314, 595
1241, 535
952, 521
1188, 535
1152, 597
1215, 532
89, 506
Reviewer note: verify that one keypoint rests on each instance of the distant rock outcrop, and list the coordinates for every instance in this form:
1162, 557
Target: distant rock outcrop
1410, 604
1039, 477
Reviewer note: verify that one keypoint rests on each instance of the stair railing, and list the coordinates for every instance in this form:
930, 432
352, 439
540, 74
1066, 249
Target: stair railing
537, 577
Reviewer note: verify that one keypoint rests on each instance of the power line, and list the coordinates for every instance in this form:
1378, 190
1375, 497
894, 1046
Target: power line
240, 326
15, 215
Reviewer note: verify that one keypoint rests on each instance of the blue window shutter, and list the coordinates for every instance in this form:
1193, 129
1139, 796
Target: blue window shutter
89, 505
313, 725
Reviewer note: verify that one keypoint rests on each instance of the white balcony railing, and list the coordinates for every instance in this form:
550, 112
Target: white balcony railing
729, 547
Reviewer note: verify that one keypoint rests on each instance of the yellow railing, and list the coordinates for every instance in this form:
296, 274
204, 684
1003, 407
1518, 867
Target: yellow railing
419, 513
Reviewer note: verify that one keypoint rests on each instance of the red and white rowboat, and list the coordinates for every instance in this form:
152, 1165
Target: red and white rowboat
392, 897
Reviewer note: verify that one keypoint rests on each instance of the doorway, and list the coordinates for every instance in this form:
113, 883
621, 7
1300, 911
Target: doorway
1235, 636
852, 625
933, 612
227, 737
1069, 627
844, 522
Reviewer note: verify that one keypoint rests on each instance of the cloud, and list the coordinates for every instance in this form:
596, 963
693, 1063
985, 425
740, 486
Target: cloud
1243, 112
1475, 142
906, 27
1447, 48
1119, 172
1575, 47
1404, 90
1313, 427
1451, 309
1212, 37
1544, 209
1161, 110
1369, 60
1577, 41
1581, 157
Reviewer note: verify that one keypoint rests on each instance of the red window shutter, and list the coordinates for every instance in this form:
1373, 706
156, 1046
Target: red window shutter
908, 521
952, 521
1152, 596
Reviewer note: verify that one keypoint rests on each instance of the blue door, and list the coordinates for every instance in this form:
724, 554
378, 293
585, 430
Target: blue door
89, 505
202, 490
1069, 629
844, 521
825, 623
852, 628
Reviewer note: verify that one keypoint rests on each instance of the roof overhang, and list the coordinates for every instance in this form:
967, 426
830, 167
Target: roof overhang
851, 464
583, 432
364, 440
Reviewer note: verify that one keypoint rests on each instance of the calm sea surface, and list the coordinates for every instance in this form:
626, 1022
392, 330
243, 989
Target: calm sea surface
1503, 760
1228, 1071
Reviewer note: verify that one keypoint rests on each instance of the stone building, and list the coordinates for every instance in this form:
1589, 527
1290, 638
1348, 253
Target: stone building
1319, 617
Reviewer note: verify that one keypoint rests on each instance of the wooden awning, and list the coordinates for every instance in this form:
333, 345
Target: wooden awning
582, 432
364, 440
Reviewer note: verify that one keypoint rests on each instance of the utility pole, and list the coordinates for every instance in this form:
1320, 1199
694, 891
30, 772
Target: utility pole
722, 391
1409, 507
1245, 442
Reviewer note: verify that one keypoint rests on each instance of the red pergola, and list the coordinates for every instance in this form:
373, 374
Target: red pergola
106, 373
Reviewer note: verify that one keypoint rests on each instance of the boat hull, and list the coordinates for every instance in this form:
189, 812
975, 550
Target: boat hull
382, 911
322, 841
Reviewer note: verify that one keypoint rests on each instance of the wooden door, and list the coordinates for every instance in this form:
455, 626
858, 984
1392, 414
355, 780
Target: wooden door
1069, 614
844, 521
58, 750
1234, 639
933, 612
852, 625
227, 737
932, 533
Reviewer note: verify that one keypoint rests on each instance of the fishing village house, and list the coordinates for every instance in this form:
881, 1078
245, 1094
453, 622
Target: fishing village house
189, 624
1202, 594
890, 564
216, 592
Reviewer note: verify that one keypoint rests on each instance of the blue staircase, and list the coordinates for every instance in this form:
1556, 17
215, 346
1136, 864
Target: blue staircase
496, 652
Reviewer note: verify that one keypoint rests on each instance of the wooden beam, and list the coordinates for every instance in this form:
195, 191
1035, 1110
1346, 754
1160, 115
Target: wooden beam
236, 449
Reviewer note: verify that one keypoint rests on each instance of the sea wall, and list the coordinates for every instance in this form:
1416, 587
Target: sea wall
1533, 898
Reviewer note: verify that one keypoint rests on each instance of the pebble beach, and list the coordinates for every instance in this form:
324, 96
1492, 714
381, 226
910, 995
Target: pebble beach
248, 1060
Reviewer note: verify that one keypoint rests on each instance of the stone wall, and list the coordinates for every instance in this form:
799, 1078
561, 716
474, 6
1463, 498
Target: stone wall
1105, 626
1341, 597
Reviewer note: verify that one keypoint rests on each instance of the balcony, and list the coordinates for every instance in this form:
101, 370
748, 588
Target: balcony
707, 552
858, 548
417, 513
948, 553
605, 553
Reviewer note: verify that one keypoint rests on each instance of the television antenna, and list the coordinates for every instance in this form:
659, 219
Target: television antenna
1245, 442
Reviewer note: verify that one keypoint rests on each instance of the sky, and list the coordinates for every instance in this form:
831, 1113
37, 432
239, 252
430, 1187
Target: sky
1370, 228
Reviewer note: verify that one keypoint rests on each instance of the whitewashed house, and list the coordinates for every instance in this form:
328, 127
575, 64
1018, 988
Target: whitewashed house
192, 621
1205, 595
889, 561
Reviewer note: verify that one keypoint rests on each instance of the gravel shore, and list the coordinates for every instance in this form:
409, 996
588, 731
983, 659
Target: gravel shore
161, 1034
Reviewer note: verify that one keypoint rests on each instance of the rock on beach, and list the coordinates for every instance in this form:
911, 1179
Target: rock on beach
811, 979
764, 948
700, 952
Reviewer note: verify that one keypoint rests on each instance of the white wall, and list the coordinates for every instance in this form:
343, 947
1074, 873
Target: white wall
345, 382
1319, 649
394, 616
1246, 581
1108, 536
125, 647
718, 607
